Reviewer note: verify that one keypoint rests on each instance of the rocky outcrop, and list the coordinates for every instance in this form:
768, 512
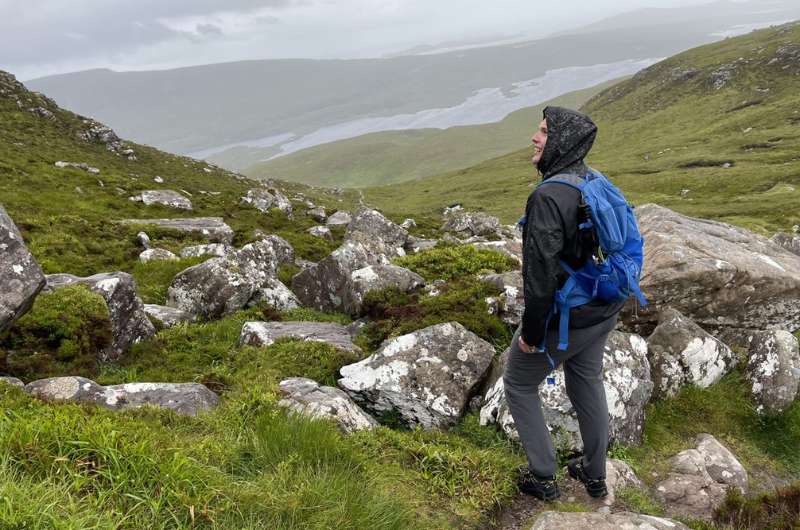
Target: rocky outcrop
156, 254
212, 229
168, 198
773, 366
307, 397
265, 200
787, 241
211, 249
324, 286
378, 233
682, 353
221, 286
189, 399
604, 521
77, 165
373, 278
340, 218
129, 323
167, 317
262, 334
21, 277
628, 387
511, 301
717, 274
468, 224
275, 294
426, 377
699, 479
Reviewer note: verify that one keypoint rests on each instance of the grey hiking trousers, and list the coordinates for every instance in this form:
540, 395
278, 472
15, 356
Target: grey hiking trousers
583, 374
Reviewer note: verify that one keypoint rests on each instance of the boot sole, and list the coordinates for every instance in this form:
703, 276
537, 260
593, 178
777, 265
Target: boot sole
595, 495
543, 496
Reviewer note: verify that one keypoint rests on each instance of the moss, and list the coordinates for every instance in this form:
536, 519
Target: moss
449, 262
63, 332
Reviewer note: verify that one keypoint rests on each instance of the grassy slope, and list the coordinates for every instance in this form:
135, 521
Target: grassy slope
651, 126
398, 156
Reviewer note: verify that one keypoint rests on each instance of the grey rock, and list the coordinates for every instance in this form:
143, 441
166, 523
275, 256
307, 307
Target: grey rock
129, 323
603, 521
156, 254
81, 165
323, 286
274, 293
144, 239
262, 334
682, 353
221, 286
467, 224
510, 247
427, 376
415, 244
376, 277
168, 198
211, 249
167, 317
340, 218
717, 274
628, 387
317, 213
188, 399
700, 478
213, 229
619, 475
773, 366
321, 231
408, 224
787, 241
511, 302
309, 398
13, 381
21, 277
264, 200
377, 232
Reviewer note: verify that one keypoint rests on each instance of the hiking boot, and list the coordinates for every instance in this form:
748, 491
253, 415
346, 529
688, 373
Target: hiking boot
594, 487
543, 488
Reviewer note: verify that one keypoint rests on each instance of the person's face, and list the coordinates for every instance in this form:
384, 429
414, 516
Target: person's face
539, 139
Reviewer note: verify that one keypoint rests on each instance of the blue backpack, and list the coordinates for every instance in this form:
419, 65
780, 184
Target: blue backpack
613, 275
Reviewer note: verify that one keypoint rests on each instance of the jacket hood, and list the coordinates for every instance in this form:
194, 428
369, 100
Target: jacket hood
570, 136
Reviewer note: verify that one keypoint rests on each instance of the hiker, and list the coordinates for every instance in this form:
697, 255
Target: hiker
554, 241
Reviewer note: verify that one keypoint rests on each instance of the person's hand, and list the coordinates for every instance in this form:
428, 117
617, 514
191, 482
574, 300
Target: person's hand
524, 345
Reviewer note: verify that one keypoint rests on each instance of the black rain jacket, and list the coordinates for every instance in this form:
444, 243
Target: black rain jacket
550, 232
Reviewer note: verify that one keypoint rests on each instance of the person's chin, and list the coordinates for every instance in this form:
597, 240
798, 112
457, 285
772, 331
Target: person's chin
535, 160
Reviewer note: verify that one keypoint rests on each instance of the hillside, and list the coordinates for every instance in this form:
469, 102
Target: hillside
712, 132
397, 156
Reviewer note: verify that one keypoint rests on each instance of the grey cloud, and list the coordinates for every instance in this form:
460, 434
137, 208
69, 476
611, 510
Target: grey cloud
209, 29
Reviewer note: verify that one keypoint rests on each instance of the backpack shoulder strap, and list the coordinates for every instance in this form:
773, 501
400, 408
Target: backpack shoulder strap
568, 179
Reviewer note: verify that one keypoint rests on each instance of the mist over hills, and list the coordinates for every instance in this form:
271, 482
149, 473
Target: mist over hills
204, 108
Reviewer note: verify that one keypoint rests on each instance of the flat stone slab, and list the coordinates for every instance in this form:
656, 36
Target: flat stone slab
602, 521
168, 198
307, 397
262, 334
213, 229
187, 399
167, 316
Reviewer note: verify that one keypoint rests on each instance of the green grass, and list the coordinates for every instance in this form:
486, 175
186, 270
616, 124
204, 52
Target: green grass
449, 262
651, 128
398, 156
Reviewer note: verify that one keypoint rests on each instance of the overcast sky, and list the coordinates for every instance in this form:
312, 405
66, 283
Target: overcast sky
43, 37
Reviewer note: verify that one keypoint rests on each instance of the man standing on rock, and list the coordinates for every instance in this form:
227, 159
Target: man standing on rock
550, 234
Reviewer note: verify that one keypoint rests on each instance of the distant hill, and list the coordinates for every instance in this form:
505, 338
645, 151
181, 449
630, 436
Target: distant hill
712, 132
397, 156
195, 109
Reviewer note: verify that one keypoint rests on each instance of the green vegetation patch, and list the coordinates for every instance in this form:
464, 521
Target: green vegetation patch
450, 262
779, 510
64, 332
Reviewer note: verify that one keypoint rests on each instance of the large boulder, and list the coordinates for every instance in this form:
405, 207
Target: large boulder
426, 377
604, 521
168, 198
264, 200
700, 478
188, 399
468, 224
717, 274
275, 294
773, 366
221, 286
511, 302
323, 285
682, 353
21, 277
373, 278
340, 218
129, 322
374, 230
626, 377
212, 229
307, 397
13, 381
262, 334
790, 242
